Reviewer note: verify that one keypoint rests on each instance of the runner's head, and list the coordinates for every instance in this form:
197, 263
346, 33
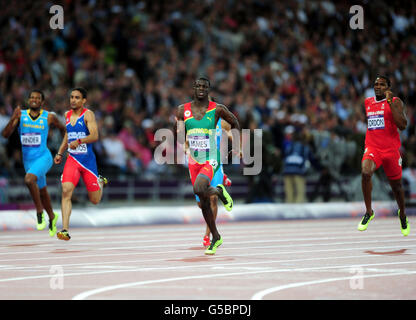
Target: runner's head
201, 88
381, 85
78, 98
36, 99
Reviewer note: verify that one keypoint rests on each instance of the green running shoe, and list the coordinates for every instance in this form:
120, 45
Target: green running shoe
362, 226
52, 225
41, 223
404, 225
225, 198
213, 247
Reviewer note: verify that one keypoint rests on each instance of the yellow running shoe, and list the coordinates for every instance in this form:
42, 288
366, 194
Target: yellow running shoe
52, 225
362, 226
41, 223
404, 225
225, 197
213, 247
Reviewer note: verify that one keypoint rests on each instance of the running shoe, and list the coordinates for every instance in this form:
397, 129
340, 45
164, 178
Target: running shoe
52, 225
225, 197
362, 226
41, 223
103, 180
213, 247
206, 242
404, 225
226, 181
63, 235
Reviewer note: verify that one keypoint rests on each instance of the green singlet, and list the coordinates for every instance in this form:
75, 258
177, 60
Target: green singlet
202, 136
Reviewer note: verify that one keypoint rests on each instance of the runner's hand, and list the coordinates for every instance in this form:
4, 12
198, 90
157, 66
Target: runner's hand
57, 159
74, 144
389, 96
17, 113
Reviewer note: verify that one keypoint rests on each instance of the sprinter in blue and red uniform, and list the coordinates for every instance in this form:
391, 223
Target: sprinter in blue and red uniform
81, 133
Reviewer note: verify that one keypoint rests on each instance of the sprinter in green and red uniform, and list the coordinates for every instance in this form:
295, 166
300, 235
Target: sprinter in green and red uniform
197, 120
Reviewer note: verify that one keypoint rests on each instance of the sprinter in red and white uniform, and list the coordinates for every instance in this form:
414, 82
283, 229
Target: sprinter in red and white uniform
385, 117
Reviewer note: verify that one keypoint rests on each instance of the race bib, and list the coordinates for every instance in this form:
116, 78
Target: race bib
375, 122
31, 139
199, 143
81, 149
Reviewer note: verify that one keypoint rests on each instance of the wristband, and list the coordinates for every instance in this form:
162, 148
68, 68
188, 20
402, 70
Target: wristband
60, 154
79, 141
389, 101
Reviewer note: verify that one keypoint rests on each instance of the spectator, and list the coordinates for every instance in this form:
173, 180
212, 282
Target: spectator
297, 158
116, 155
268, 58
142, 154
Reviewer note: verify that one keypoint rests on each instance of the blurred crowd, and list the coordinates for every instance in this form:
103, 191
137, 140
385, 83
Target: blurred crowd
294, 69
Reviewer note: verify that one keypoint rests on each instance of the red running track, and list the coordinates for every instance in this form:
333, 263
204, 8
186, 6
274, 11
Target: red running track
292, 259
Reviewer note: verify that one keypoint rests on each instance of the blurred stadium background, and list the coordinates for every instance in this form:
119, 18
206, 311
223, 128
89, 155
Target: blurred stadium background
294, 69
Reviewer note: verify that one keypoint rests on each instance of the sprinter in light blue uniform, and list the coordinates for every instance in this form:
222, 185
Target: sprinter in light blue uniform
33, 127
37, 159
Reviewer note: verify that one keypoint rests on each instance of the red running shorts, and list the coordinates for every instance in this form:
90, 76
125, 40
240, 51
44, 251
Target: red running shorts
391, 161
73, 170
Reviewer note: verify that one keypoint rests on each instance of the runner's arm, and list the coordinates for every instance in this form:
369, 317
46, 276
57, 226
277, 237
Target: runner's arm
225, 114
398, 110
179, 126
91, 124
226, 127
53, 119
61, 150
12, 124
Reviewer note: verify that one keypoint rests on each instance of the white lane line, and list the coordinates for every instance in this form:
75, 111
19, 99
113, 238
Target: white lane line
288, 226
90, 293
92, 264
257, 237
204, 266
238, 247
71, 246
260, 295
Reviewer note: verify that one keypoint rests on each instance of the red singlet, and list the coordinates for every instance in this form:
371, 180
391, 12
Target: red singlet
382, 140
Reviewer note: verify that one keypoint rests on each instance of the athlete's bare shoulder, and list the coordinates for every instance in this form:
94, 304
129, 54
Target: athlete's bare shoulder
89, 112
89, 115
51, 116
223, 113
221, 110
398, 100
